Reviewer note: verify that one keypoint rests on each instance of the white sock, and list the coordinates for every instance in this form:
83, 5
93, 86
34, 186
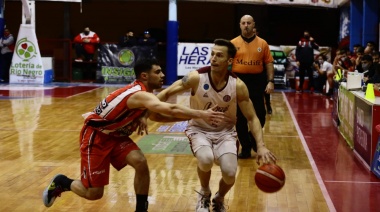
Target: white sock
206, 190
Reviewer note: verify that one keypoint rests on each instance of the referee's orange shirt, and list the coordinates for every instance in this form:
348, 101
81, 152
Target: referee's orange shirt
251, 57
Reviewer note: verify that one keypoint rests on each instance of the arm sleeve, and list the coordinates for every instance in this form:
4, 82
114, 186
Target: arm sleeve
95, 39
78, 39
268, 55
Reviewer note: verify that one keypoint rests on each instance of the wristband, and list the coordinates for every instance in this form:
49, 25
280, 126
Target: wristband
272, 81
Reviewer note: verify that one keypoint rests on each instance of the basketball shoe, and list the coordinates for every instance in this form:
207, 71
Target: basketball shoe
203, 204
53, 191
218, 204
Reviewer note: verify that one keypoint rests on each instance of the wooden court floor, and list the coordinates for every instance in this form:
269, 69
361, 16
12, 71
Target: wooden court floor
39, 131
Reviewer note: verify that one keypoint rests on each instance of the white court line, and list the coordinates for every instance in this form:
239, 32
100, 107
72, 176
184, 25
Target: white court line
353, 182
81, 93
310, 157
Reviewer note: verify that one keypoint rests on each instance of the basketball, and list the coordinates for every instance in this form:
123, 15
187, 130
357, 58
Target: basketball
270, 178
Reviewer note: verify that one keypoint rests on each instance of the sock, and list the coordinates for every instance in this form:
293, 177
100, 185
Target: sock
141, 202
205, 190
218, 198
65, 182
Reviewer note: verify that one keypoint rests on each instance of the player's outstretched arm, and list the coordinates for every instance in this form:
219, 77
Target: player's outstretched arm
254, 125
188, 82
152, 103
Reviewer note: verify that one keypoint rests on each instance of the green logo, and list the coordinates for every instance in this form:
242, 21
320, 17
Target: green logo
126, 57
25, 49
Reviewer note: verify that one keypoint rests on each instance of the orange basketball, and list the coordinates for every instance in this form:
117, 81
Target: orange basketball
270, 178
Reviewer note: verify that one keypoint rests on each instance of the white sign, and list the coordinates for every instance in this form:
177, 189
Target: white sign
192, 56
26, 66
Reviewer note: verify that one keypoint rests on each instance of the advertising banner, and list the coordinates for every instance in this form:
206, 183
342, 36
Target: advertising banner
363, 129
375, 167
116, 63
26, 66
192, 56
346, 114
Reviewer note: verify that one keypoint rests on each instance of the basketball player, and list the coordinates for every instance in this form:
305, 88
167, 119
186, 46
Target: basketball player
104, 138
217, 141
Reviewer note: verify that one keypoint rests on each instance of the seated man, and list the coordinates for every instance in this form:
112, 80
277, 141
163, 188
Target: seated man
325, 72
85, 45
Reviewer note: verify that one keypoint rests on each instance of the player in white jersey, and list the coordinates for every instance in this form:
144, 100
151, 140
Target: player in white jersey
215, 86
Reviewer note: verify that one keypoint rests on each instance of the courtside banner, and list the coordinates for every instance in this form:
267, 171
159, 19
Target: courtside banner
116, 63
192, 56
26, 66
375, 166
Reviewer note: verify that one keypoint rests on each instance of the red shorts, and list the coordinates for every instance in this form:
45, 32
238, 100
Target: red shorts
98, 151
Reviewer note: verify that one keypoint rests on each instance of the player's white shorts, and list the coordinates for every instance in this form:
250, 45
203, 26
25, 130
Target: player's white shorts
220, 142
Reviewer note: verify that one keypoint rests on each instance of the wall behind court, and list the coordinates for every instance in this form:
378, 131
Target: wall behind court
198, 21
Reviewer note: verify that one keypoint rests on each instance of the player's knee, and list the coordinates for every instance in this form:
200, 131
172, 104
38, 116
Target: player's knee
229, 176
94, 195
141, 165
205, 164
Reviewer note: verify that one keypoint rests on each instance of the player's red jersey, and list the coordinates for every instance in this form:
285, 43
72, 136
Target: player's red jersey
112, 116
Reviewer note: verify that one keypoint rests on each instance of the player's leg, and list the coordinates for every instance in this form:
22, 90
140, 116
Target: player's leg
128, 153
137, 160
205, 157
91, 185
225, 153
228, 165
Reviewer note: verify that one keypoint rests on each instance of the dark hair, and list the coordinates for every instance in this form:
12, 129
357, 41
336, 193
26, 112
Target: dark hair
367, 57
231, 48
360, 49
324, 57
144, 65
357, 45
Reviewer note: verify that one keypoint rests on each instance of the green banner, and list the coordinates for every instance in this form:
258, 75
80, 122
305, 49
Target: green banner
346, 114
116, 63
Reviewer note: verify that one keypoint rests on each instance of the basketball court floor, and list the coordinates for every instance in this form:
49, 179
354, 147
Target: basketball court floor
39, 132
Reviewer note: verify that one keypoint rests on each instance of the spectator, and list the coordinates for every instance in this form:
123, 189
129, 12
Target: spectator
86, 44
128, 40
375, 58
252, 48
358, 55
325, 72
305, 58
343, 63
7, 45
367, 67
355, 49
370, 48
147, 40
373, 75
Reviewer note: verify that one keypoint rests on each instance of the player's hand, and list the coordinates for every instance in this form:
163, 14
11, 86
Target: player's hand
142, 125
212, 116
265, 155
311, 39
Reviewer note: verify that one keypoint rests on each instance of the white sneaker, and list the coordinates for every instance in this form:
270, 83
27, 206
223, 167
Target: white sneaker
203, 204
78, 60
218, 204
